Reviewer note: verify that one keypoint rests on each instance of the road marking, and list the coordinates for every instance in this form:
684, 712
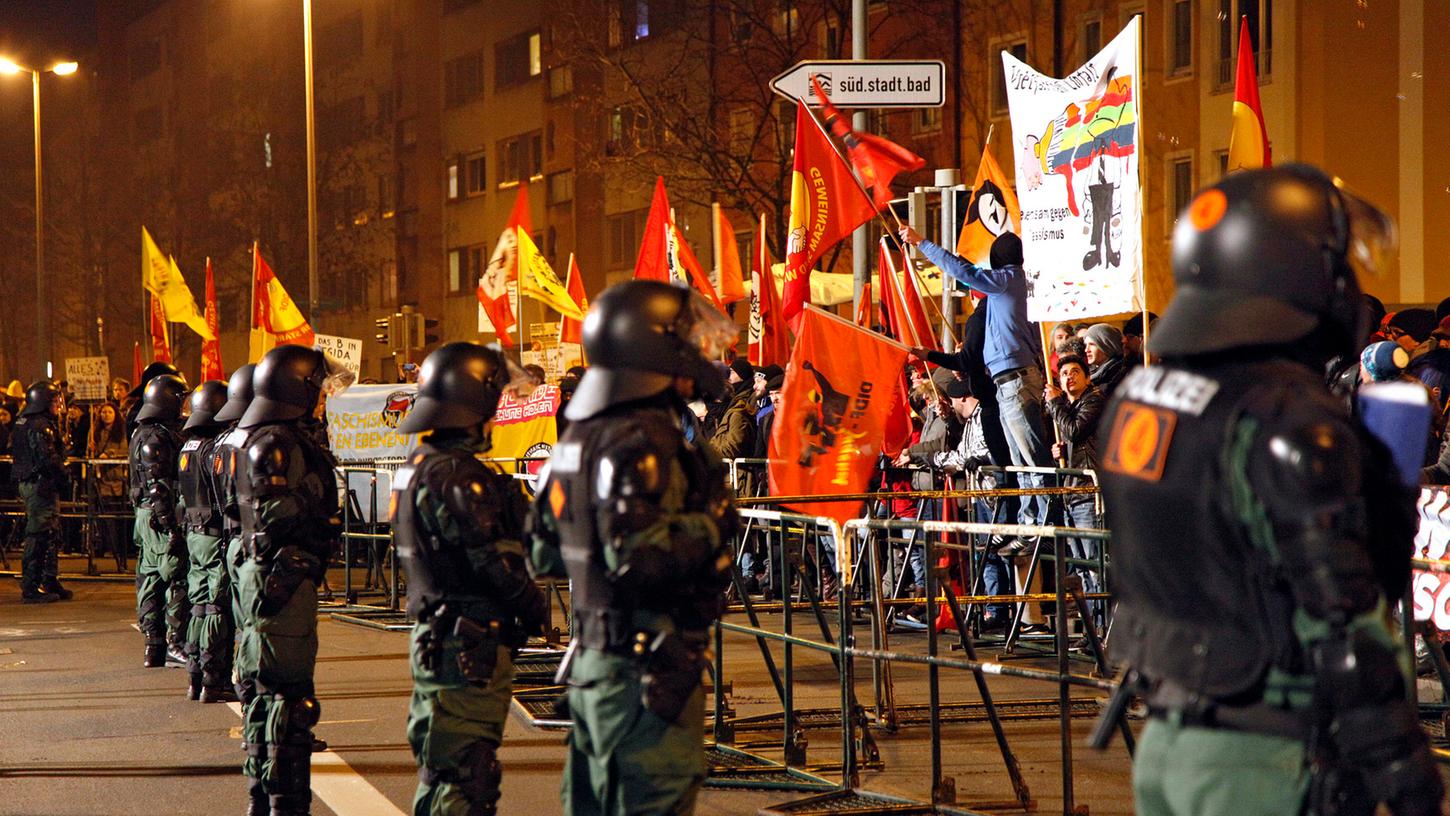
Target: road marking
342, 788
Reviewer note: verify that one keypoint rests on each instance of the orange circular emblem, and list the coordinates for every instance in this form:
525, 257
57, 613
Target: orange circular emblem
1139, 442
1207, 209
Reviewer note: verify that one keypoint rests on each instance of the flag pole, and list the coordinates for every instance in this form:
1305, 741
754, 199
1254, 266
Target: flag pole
1047, 367
1142, 222
252, 317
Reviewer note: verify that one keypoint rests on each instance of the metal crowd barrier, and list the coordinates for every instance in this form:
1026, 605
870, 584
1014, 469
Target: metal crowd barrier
84, 507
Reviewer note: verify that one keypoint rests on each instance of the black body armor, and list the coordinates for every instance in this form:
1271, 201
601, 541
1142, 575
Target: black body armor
225, 454
448, 548
285, 464
37, 450
198, 491
154, 458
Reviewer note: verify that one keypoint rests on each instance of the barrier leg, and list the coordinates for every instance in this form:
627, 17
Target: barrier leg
1074, 585
1063, 689
850, 724
881, 670
754, 618
794, 739
943, 789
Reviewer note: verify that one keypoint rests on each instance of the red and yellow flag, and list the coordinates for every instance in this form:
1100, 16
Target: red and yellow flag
839, 390
1248, 144
826, 204
901, 303
160, 342
664, 255
768, 338
498, 285
992, 211
276, 320
571, 330
211, 350
727, 259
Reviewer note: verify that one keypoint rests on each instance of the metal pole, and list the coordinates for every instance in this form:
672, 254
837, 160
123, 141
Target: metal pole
42, 304
311, 168
948, 180
860, 271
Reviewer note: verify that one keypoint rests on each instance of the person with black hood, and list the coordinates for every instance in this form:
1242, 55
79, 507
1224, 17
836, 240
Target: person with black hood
209, 635
1012, 352
161, 608
40, 474
1104, 355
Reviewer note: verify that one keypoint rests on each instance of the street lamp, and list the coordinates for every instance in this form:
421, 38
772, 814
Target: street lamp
42, 306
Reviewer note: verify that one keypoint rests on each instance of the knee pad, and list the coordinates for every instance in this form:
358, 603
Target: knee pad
480, 776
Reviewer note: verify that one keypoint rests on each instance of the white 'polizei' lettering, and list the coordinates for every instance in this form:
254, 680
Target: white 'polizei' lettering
1175, 390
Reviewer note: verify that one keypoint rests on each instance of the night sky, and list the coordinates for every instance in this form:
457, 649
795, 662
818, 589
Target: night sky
40, 32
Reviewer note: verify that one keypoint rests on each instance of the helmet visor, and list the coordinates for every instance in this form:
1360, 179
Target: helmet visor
1372, 238
705, 328
336, 376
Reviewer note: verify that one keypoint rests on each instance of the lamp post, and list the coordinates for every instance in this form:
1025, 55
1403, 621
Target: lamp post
311, 168
42, 306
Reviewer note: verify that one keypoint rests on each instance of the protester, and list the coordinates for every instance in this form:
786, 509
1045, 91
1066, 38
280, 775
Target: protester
1410, 328
734, 437
1133, 338
1384, 361
1075, 409
1104, 354
108, 441
1433, 366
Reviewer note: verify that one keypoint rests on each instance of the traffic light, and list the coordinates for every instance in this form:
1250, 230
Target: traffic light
383, 335
430, 331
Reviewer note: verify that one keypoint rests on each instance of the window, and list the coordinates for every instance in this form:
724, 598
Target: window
477, 173
452, 181
1260, 14
517, 59
465, 267
561, 187
463, 79
1180, 187
787, 17
742, 128
833, 40
1221, 157
407, 133
623, 130
1180, 38
520, 158
1018, 49
641, 19
144, 58
926, 120
624, 233
561, 81
387, 205
1092, 38
387, 108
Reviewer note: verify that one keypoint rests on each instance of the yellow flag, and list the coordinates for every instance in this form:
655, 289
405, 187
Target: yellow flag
539, 281
161, 277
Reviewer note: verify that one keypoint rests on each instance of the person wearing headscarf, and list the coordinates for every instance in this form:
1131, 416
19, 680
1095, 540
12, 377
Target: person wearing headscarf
1104, 346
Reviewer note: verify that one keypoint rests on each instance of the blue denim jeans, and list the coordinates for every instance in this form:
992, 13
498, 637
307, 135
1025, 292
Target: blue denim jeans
1020, 403
1083, 516
995, 580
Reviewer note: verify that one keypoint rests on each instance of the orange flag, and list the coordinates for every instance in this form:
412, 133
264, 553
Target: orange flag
769, 342
992, 211
727, 259
160, 344
664, 255
826, 204
571, 330
863, 309
1248, 143
902, 306
839, 389
211, 350
276, 320
877, 161
136, 362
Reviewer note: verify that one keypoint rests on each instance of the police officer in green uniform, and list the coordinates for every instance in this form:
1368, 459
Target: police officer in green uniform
1260, 534
224, 468
458, 527
642, 521
287, 493
162, 565
39, 472
209, 636
137, 396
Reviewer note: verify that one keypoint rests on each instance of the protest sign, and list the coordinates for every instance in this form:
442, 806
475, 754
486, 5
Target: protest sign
362, 422
527, 428
345, 350
1430, 591
1076, 144
89, 377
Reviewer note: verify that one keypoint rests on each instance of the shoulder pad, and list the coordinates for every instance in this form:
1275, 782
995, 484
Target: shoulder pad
1313, 460
156, 451
637, 465
269, 455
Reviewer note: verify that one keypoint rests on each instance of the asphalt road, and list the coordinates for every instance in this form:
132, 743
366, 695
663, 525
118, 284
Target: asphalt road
88, 731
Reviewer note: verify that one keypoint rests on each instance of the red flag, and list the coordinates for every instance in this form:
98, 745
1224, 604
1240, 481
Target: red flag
915, 298
1248, 143
664, 255
839, 389
136, 362
902, 305
160, 345
498, 285
211, 350
896, 314
727, 258
571, 330
863, 309
877, 160
769, 341
826, 205
276, 320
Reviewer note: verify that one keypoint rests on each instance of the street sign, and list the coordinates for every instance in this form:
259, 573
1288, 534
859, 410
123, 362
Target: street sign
89, 377
346, 350
867, 83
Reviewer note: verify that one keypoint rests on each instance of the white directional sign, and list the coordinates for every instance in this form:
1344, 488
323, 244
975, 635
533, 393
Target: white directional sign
867, 84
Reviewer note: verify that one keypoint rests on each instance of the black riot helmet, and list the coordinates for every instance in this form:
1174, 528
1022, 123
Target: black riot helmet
151, 372
162, 400
206, 401
458, 387
239, 394
38, 397
639, 336
286, 385
1267, 257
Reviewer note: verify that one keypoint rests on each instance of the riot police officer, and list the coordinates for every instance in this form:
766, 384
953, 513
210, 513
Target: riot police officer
162, 565
224, 469
40, 474
287, 495
137, 396
643, 521
209, 636
458, 526
1259, 531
